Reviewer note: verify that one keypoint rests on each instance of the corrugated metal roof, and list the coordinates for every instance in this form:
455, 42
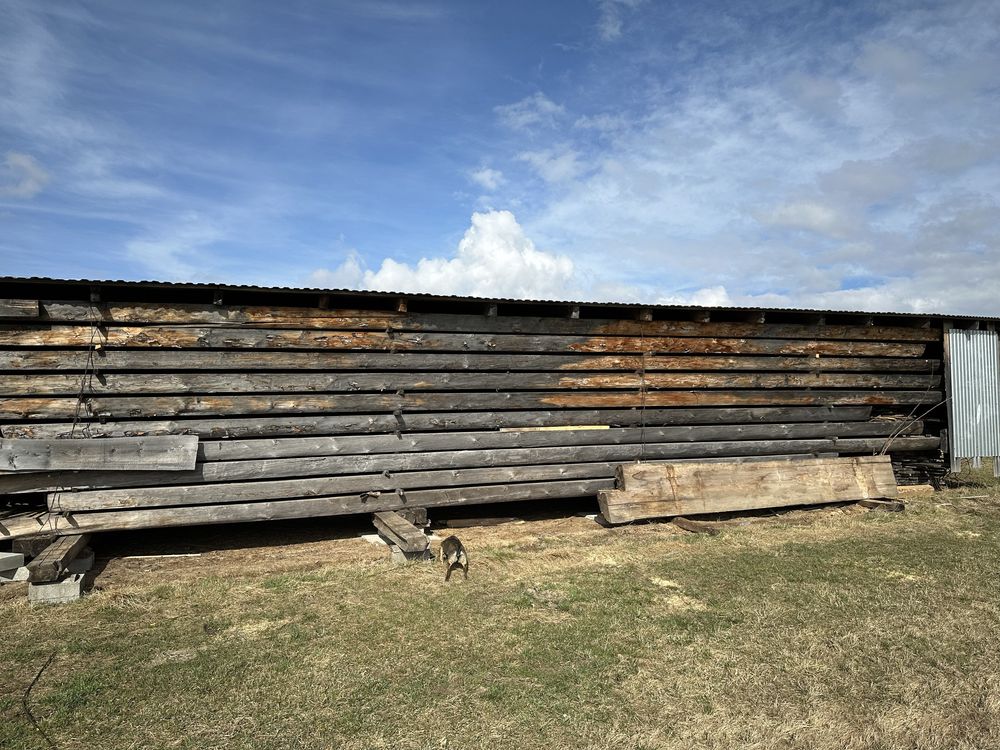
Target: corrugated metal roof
213, 286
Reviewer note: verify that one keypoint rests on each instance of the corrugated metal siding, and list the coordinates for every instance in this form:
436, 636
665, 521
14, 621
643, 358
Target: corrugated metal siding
975, 396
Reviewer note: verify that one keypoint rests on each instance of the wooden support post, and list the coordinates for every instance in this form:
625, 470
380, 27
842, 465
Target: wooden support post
54, 559
397, 530
955, 463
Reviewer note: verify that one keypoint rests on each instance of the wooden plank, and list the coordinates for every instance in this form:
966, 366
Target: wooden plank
651, 490
230, 471
367, 486
163, 453
315, 317
203, 383
399, 531
19, 308
57, 523
368, 423
271, 359
52, 562
233, 450
180, 337
21, 407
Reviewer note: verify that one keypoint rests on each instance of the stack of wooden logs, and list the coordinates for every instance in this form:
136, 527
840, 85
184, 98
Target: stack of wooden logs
308, 411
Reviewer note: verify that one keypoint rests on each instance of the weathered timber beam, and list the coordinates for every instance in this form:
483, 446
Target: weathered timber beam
276, 359
13, 408
366, 486
304, 317
19, 308
399, 531
178, 337
52, 562
164, 453
233, 450
313, 507
368, 423
227, 471
657, 490
201, 383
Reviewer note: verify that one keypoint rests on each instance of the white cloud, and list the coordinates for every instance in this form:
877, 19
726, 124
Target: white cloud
21, 176
494, 259
609, 21
554, 165
488, 179
536, 110
809, 215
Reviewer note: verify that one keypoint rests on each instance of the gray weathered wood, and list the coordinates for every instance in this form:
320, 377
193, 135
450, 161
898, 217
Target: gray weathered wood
53, 560
368, 423
210, 337
55, 523
173, 406
657, 490
232, 450
162, 453
397, 530
19, 308
306, 317
272, 359
229, 471
205, 383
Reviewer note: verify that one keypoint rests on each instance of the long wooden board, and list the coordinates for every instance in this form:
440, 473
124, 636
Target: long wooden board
12, 408
314, 317
162, 453
230, 471
59, 523
180, 337
369, 423
202, 383
658, 490
275, 359
232, 450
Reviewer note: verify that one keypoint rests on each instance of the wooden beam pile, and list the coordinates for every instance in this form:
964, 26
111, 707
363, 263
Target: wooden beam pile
308, 411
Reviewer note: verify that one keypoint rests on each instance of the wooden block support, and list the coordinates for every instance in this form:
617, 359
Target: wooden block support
397, 530
658, 490
54, 560
159, 453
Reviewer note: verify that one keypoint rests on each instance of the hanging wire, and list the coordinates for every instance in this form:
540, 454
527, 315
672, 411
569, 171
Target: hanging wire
89, 370
910, 418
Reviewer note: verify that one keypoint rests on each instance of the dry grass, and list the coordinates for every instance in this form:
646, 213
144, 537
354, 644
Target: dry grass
855, 630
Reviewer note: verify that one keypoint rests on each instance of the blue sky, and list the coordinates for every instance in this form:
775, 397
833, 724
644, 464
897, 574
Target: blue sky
782, 153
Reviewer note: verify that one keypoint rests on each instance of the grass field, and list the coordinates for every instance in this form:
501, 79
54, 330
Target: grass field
827, 629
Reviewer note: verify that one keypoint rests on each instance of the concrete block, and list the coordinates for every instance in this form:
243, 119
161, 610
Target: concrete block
15, 575
82, 562
399, 557
11, 560
69, 589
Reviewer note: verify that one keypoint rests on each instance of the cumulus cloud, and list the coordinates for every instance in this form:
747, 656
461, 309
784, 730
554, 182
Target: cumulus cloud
495, 258
488, 179
21, 176
533, 111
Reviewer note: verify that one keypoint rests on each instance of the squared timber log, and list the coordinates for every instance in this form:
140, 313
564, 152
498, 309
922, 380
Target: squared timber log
397, 530
159, 453
658, 490
54, 560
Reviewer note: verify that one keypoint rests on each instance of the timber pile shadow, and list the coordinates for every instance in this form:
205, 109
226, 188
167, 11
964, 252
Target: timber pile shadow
307, 403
